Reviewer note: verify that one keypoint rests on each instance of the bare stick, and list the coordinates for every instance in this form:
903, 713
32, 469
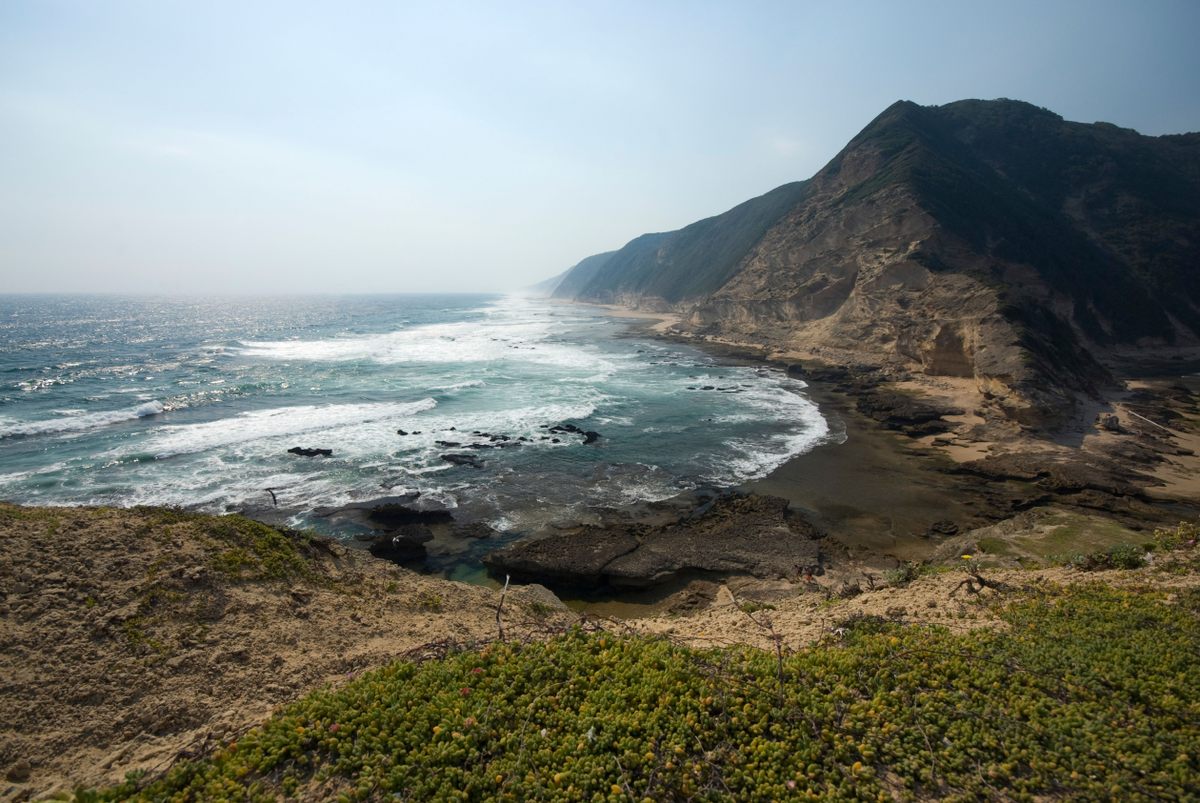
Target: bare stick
500, 609
274, 501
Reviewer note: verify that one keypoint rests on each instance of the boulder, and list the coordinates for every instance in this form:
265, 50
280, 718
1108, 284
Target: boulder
306, 452
468, 460
402, 545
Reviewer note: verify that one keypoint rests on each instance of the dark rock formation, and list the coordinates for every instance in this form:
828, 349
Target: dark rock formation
304, 452
1060, 477
576, 558
403, 545
943, 528
394, 527
732, 534
387, 512
468, 460
905, 413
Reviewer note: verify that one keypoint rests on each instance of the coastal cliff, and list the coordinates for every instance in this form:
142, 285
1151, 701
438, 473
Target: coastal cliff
991, 241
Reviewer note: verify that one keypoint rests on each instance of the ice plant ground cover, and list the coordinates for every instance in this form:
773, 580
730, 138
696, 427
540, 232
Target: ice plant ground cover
1083, 692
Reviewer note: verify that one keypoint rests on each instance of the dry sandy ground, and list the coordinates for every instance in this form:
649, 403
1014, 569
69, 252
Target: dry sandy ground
754, 612
124, 640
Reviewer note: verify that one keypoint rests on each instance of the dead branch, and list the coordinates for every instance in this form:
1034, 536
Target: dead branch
977, 582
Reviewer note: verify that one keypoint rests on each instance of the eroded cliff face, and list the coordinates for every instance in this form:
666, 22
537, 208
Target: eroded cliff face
987, 240
850, 282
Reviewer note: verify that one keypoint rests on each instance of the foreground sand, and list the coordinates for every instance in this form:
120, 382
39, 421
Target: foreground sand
129, 639
796, 615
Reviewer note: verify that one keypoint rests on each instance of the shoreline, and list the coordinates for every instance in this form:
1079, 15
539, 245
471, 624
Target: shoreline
883, 494
899, 480
875, 491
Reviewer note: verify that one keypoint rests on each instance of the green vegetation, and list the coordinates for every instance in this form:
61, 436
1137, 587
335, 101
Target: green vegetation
1056, 537
255, 551
1184, 535
904, 574
1121, 556
430, 601
1087, 693
1174, 546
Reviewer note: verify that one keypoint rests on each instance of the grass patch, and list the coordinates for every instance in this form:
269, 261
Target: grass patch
1054, 537
995, 546
754, 606
1088, 693
255, 551
430, 601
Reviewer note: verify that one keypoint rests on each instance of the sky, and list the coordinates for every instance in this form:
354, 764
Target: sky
239, 147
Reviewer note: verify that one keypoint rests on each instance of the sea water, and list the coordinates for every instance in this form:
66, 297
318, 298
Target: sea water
195, 402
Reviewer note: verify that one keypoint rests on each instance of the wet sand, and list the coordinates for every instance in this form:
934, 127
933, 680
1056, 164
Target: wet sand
870, 490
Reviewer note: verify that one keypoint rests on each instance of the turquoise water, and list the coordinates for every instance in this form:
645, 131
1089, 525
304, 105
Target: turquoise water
195, 402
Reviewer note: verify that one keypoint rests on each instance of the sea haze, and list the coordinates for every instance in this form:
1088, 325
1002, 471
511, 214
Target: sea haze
195, 402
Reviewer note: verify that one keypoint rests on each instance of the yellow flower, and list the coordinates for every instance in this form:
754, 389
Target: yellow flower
967, 557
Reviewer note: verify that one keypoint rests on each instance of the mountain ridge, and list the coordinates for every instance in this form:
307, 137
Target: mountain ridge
989, 240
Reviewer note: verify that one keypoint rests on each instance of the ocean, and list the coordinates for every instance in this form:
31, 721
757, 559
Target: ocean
195, 402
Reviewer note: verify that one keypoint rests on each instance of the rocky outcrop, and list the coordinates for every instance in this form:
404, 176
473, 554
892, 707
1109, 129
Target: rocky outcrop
750, 535
307, 452
404, 544
906, 414
395, 528
468, 460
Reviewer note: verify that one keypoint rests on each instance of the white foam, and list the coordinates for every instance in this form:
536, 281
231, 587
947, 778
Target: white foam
79, 422
512, 330
778, 402
150, 408
472, 383
275, 423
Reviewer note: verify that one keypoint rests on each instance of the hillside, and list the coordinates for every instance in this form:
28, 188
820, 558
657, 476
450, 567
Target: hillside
219, 658
1028, 690
670, 267
133, 637
987, 240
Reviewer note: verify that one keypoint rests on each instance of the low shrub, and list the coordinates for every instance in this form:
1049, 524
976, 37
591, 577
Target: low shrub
1087, 693
903, 574
1121, 556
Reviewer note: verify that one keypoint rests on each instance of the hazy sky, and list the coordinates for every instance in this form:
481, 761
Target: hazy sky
165, 146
